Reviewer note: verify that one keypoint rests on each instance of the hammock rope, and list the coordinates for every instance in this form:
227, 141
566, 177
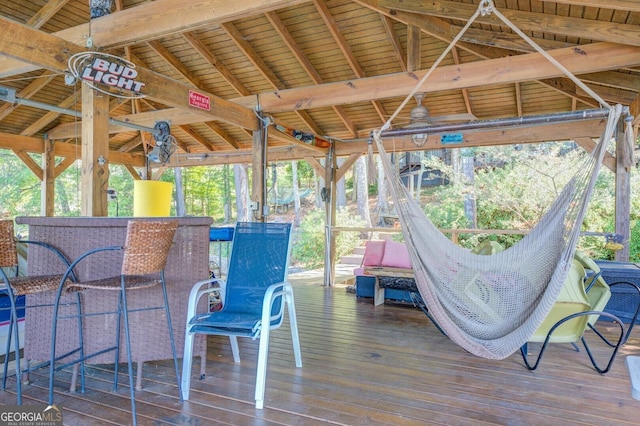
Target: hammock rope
491, 305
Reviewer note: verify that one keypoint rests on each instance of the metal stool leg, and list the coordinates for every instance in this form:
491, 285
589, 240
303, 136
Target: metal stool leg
132, 389
116, 361
173, 342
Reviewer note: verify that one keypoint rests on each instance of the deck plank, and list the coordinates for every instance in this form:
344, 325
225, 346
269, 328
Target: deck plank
361, 366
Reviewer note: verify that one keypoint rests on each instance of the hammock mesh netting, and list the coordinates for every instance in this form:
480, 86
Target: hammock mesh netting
491, 305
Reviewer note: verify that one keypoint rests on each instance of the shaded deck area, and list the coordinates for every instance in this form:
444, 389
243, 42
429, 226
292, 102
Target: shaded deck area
361, 366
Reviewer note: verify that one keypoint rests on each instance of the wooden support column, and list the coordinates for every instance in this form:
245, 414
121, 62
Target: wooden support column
258, 184
48, 180
328, 196
413, 48
95, 150
623, 192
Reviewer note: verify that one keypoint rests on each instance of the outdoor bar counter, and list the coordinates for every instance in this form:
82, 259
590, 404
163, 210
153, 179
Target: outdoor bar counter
188, 263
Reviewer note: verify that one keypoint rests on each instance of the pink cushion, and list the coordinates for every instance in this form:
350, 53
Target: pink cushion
358, 272
396, 255
373, 252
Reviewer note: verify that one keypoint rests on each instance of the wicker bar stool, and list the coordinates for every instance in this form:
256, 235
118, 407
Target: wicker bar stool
16, 288
145, 254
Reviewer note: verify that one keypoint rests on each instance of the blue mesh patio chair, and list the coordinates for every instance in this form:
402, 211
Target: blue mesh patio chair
253, 296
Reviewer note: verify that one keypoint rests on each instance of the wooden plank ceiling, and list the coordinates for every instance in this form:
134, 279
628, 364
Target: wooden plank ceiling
335, 68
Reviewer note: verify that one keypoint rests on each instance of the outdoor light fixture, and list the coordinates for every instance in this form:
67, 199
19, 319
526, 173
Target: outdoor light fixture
419, 118
165, 143
101, 160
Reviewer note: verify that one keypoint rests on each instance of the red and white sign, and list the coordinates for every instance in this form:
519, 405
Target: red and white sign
199, 100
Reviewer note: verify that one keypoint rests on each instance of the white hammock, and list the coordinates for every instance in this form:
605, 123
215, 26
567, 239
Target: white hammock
491, 305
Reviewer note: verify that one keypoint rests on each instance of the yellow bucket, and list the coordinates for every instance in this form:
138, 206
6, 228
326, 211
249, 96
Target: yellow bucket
151, 198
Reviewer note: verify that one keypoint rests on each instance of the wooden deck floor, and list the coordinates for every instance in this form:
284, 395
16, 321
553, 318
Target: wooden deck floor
361, 366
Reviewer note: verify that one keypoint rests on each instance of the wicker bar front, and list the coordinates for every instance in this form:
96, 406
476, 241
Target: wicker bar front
188, 263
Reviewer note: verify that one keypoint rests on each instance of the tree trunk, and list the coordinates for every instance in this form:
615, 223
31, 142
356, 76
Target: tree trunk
227, 194
319, 184
180, 207
242, 192
382, 204
296, 193
469, 198
63, 199
362, 190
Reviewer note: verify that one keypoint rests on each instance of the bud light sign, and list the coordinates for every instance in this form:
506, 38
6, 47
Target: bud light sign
107, 73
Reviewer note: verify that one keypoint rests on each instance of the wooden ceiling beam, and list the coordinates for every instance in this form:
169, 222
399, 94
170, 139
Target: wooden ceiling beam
29, 162
302, 59
47, 51
208, 56
582, 131
482, 43
175, 63
610, 94
26, 93
176, 116
131, 144
36, 21
215, 128
587, 29
50, 116
186, 73
597, 57
193, 134
626, 5
414, 48
465, 92
36, 145
533, 66
619, 80
131, 25
502, 40
340, 40
46, 12
266, 72
63, 165
394, 40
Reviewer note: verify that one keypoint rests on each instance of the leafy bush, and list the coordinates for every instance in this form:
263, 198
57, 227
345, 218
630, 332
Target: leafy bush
309, 247
515, 194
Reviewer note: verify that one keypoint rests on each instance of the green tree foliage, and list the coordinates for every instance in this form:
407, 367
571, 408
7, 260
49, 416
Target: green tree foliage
20, 187
515, 185
308, 249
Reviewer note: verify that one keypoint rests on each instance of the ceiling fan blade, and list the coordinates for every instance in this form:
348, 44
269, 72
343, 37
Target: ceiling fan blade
453, 117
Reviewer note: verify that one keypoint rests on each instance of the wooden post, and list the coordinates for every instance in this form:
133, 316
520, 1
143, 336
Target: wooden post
48, 180
329, 199
622, 194
95, 153
258, 187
